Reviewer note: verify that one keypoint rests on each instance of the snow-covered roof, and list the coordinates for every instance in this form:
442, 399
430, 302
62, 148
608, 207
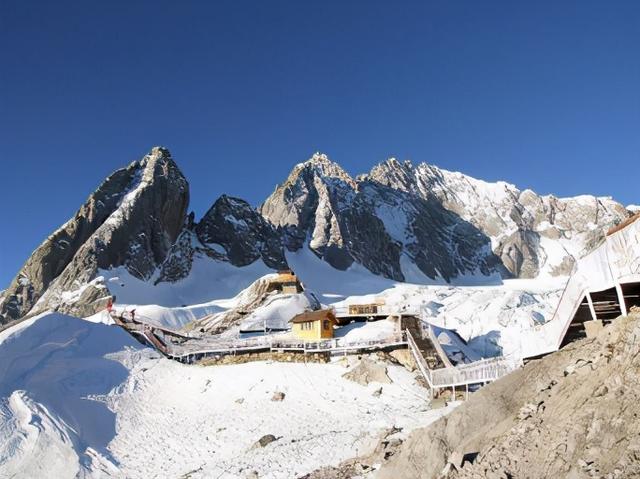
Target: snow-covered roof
313, 316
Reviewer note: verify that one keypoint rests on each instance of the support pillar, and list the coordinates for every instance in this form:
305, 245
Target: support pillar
623, 305
591, 308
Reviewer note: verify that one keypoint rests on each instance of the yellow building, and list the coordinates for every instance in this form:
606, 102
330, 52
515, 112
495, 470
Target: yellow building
314, 325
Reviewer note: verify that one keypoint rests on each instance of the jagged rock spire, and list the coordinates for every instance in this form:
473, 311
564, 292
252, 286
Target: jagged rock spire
131, 220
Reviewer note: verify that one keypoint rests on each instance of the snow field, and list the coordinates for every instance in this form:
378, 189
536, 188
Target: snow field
174, 419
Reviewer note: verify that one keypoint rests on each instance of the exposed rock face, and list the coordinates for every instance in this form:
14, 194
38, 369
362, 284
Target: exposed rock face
445, 224
529, 233
398, 221
180, 257
131, 220
233, 231
244, 234
307, 202
375, 224
571, 414
519, 253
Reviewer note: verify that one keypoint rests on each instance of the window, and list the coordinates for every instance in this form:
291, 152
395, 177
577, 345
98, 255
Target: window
325, 324
306, 326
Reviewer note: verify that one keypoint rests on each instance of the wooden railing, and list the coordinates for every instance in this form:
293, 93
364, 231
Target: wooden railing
477, 372
473, 373
483, 371
423, 367
270, 343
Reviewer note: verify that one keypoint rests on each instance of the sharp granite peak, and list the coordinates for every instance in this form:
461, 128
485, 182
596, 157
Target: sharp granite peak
131, 220
404, 222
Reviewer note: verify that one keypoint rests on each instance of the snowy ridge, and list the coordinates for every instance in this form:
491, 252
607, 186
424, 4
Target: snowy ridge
402, 222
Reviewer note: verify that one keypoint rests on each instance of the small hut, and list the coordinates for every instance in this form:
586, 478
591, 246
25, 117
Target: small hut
286, 282
363, 309
314, 325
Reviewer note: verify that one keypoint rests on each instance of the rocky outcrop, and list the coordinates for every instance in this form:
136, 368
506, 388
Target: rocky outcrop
572, 414
244, 235
531, 234
367, 371
131, 220
519, 253
375, 224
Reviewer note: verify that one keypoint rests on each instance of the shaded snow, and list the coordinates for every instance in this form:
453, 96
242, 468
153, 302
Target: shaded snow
276, 312
367, 331
330, 283
49, 369
209, 280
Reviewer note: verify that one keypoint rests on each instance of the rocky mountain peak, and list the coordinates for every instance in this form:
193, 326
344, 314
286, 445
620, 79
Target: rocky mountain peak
240, 230
400, 221
393, 173
131, 220
318, 167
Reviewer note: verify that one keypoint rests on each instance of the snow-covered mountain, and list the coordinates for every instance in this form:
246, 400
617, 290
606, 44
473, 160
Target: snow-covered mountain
383, 228
131, 220
418, 224
531, 234
446, 224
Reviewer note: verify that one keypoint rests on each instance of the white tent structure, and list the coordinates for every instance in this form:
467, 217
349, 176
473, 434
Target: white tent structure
605, 283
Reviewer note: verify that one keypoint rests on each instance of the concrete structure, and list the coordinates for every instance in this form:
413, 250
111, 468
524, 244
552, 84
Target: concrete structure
314, 325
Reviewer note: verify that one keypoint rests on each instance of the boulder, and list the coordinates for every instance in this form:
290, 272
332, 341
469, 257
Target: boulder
368, 371
264, 441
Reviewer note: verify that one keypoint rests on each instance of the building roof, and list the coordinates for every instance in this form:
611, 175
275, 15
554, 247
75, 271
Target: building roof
285, 277
313, 316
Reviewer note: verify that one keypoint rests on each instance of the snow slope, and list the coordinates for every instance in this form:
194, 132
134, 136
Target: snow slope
48, 371
79, 398
208, 289
277, 311
332, 284
493, 319
209, 280
175, 419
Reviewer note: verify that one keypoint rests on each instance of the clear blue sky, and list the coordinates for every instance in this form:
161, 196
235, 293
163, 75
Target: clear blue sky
543, 94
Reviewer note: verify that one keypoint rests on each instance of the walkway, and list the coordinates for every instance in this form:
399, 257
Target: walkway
478, 372
431, 360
